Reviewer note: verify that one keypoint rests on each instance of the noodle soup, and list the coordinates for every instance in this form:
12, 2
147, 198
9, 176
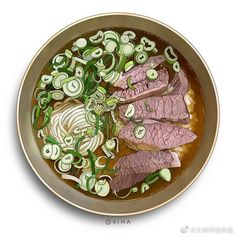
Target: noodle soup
118, 113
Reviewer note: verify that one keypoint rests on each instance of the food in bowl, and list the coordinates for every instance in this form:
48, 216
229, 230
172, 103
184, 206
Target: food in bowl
118, 113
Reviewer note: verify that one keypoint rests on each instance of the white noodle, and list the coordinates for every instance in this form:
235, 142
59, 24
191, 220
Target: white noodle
65, 119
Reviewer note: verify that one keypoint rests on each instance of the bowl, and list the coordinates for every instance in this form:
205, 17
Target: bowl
117, 207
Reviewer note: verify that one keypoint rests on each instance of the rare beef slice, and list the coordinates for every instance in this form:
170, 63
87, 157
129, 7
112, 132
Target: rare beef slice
179, 84
164, 108
158, 136
138, 73
133, 168
145, 88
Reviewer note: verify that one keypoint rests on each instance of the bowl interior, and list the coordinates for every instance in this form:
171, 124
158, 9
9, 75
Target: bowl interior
116, 207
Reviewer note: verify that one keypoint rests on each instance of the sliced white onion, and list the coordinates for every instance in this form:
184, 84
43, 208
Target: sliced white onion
71, 177
97, 164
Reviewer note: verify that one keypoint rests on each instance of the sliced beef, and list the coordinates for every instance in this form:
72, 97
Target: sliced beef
135, 167
158, 136
145, 88
165, 108
179, 84
138, 73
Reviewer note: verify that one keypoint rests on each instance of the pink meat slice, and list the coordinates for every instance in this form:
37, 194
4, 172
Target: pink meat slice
179, 83
145, 88
133, 168
158, 136
164, 108
138, 73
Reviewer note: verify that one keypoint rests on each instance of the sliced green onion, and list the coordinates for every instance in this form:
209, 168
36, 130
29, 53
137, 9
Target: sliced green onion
57, 95
84, 180
56, 152
130, 111
141, 57
111, 101
148, 44
101, 89
110, 34
102, 188
139, 131
90, 104
58, 79
47, 151
99, 109
67, 80
80, 60
90, 117
67, 159
127, 49
60, 61
110, 46
112, 66
91, 132
97, 53
155, 50
97, 38
68, 53
165, 174
121, 63
81, 43
112, 77
144, 187
170, 55
47, 79
124, 38
51, 151
74, 88
110, 144
63, 167
129, 83
36, 113
130, 34
139, 48
41, 84
98, 96
75, 154
79, 72
176, 67
152, 74
54, 73
129, 65
152, 178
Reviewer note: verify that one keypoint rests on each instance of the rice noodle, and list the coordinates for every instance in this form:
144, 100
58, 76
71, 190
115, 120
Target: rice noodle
67, 117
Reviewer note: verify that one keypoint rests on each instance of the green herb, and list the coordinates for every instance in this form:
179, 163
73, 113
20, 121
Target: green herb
91, 156
50, 139
80, 139
147, 106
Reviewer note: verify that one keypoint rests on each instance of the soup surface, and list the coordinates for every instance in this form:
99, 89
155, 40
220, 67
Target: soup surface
118, 113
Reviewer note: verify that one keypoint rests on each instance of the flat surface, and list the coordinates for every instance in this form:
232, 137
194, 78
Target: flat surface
27, 206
